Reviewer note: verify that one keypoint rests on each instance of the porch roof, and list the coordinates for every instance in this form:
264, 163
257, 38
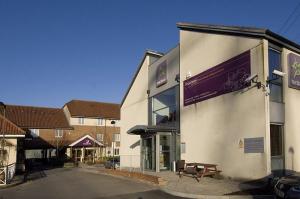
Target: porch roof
144, 129
86, 141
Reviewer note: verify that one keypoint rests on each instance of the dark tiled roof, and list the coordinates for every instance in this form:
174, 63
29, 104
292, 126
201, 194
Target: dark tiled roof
37, 117
80, 108
242, 31
9, 128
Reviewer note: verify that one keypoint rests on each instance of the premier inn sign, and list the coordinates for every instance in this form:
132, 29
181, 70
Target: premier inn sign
294, 71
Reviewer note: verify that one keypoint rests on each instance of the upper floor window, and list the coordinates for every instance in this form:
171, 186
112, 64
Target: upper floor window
164, 108
276, 91
99, 121
81, 120
116, 137
59, 133
35, 132
99, 136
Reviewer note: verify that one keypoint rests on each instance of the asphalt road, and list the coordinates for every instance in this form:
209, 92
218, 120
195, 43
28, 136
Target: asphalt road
74, 183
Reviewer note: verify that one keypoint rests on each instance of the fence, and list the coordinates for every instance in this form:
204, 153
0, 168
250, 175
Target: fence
7, 173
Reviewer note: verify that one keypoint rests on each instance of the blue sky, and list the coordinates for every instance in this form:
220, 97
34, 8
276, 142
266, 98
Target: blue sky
52, 51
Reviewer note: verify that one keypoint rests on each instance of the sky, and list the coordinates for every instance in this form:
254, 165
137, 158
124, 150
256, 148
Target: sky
53, 51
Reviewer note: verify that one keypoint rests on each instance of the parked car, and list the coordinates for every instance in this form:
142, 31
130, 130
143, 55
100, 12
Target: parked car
112, 163
288, 187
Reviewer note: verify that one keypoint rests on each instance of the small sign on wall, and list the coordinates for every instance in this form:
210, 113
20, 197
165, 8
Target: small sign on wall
254, 145
182, 147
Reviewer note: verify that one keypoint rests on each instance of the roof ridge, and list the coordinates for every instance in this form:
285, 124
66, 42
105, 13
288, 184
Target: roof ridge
28, 106
92, 101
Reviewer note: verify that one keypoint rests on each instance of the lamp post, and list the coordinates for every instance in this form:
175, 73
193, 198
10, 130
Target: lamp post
113, 144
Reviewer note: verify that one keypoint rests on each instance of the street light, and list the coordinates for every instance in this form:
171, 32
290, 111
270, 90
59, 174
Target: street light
113, 144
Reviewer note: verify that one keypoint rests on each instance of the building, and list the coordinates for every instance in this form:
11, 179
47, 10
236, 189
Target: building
81, 130
96, 124
225, 95
46, 129
11, 138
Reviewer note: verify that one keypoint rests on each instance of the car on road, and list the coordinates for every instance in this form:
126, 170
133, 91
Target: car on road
112, 162
288, 187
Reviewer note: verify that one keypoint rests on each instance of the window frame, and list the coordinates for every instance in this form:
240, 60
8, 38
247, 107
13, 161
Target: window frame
81, 120
100, 121
270, 76
115, 136
59, 133
102, 137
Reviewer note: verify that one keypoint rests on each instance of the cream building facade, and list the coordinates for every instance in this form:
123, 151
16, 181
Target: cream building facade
247, 125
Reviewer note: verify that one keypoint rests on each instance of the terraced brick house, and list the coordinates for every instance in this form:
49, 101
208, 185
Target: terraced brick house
46, 130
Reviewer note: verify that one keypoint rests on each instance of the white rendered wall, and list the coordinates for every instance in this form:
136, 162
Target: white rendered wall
292, 125
213, 128
134, 111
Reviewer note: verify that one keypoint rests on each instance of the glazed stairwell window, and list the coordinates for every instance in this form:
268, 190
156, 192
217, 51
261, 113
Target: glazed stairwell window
276, 91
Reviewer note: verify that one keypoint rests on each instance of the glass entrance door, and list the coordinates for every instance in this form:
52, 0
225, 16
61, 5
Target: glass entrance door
165, 151
148, 152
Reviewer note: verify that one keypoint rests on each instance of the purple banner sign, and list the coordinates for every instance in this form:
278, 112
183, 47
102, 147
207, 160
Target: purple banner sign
294, 71
86, 142
224, 78
161, 74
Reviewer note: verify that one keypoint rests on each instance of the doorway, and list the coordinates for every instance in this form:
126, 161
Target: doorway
148, 152
165, 151
277, 148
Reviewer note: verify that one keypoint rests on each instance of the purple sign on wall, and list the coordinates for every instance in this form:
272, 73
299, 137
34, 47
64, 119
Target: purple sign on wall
226, 77
294, 71
161, 74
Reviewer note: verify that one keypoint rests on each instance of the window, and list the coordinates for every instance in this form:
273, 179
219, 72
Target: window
276, 94
81, 120
59, 133
164, 108
276, 140
99, 121
116, 137
35, 132
99, 136
117, 152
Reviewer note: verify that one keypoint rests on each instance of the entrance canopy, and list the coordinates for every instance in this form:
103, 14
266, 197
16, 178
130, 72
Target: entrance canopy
86, 141
145, 129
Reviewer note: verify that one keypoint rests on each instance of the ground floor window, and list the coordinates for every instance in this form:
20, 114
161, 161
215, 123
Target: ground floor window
117, 152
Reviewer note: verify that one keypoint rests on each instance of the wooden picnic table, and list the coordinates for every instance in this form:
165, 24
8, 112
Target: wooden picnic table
199, 170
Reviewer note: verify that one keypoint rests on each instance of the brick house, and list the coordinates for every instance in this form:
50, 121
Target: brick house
95, 122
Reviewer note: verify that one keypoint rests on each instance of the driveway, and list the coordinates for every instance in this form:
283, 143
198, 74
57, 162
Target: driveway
74, 183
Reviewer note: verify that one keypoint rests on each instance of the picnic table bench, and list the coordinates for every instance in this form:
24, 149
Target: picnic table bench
199, 170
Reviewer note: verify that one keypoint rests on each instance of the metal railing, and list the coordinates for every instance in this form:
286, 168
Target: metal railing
7, 173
